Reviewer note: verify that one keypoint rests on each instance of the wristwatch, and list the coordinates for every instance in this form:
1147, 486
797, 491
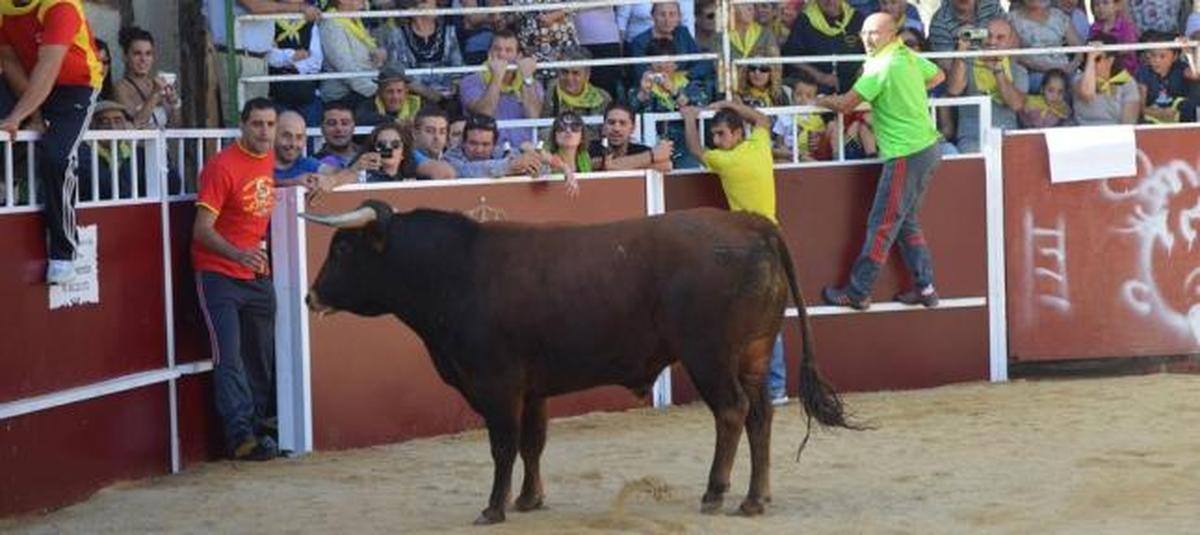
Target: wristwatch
528, 80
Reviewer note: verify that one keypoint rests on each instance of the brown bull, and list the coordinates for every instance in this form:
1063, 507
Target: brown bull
513, 313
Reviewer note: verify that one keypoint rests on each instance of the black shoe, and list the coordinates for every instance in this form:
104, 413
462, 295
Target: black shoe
927, 297
256, 449
841, 297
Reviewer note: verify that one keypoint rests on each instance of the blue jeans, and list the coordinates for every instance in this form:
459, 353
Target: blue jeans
898, 198
241, 324
777, 375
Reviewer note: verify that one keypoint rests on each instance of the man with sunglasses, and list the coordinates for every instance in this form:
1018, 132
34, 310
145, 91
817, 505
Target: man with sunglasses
895, 81
478, 156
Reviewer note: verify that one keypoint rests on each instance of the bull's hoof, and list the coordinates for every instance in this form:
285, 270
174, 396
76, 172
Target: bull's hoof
490, 516
711, 505
528, 503
752, 507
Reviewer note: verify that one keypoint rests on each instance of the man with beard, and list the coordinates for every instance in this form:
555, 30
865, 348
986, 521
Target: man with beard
614, 151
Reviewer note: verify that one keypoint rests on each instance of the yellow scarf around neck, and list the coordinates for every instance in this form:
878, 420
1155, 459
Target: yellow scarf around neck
408, 110
760, 94
985, 79
680, 80
514, 87
744, 43
589, 99
355, 28
817, 19
290, 30
7, 8
1109, 85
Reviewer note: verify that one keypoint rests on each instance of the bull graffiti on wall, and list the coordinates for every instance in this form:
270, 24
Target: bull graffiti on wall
1163, 220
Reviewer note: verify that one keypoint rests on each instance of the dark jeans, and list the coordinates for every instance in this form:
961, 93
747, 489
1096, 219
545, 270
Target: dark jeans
67, 112
898, 198
241, 327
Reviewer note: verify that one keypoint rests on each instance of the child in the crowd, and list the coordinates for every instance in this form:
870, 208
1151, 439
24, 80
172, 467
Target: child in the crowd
1049, 108
805, 131
859, 140
1163, 82
1112, 19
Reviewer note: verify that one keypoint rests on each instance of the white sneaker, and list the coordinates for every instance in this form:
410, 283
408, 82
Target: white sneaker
60, 272
780, 400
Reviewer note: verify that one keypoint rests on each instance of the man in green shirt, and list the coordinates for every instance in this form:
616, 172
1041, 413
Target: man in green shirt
895, 81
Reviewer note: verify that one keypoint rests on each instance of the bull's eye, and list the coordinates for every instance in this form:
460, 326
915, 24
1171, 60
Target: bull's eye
342, 248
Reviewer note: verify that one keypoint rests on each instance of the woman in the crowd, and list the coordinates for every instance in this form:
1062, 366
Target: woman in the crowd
664, 88
1105, 93
545, 35
105, 56
422, 42
761, 86
151, 98
349, 47
387, 140
1042, 26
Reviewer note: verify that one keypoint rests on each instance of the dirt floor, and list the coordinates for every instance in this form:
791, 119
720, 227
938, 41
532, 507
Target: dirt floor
1118, 455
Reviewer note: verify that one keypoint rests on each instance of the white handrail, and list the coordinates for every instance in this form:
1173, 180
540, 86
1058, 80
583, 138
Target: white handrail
481, 10
1129, 47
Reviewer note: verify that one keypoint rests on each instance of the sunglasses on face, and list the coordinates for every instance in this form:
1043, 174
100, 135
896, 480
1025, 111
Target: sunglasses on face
481, 120
760, 68
383, 145
570, 123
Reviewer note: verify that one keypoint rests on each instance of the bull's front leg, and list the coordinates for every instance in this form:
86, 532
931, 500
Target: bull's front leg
503, 433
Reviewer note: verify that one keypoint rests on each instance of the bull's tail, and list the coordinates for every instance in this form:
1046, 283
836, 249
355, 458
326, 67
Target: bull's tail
820, 400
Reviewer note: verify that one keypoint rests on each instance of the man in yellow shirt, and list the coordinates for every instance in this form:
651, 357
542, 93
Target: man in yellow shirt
747, 172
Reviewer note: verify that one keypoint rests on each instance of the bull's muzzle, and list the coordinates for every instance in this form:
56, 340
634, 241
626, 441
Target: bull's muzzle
316, 306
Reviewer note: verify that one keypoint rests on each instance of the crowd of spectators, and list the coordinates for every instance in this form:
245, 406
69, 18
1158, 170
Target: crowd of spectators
445, 125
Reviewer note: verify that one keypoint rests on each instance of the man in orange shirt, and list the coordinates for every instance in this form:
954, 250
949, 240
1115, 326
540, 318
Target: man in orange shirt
53, 70
229, 255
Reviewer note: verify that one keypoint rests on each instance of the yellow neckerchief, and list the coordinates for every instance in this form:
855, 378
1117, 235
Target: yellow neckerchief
680, 80
355, 28
818, 21
1175, 104
408, 110
744, 42
985, 79
290, 29
762, 94
1038, 103
513, 87
589, 99
1107, 86
124, 151
8, 9
779, 28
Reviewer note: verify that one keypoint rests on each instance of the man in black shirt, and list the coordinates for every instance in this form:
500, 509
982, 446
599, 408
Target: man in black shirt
614, 151
827, 27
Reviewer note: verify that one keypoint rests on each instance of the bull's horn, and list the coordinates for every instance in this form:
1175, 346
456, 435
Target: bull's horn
355, 219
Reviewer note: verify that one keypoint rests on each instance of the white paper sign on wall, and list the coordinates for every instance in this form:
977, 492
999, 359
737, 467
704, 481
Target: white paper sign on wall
86, 286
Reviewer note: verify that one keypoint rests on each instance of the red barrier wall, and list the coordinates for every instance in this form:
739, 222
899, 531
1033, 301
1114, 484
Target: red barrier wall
52, 457
1103, 268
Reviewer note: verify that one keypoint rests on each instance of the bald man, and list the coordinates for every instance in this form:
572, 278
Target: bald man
895, 82
292, 168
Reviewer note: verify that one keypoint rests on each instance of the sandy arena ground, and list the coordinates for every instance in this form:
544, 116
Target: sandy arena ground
1119, 455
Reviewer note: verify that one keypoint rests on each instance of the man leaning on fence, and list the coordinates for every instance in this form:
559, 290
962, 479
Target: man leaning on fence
894, 81
53, 72
233, 281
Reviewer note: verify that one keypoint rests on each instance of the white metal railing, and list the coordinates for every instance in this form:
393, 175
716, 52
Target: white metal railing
651, 122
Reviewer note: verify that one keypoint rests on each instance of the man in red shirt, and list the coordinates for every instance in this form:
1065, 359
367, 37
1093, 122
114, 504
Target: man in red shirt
53, 70
233, 207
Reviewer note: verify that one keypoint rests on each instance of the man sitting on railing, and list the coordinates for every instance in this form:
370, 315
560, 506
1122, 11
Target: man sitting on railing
429, 133
504, 93
827, 27
1000, 77
667, 26
615, 150
394, 102
894, 81
478, 156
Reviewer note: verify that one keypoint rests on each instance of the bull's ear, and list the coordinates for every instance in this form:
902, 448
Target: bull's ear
377, 230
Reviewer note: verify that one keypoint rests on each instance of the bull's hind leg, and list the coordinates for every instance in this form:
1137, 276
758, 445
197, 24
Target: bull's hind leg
503, 423
533, 441
719, 387
753, 370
